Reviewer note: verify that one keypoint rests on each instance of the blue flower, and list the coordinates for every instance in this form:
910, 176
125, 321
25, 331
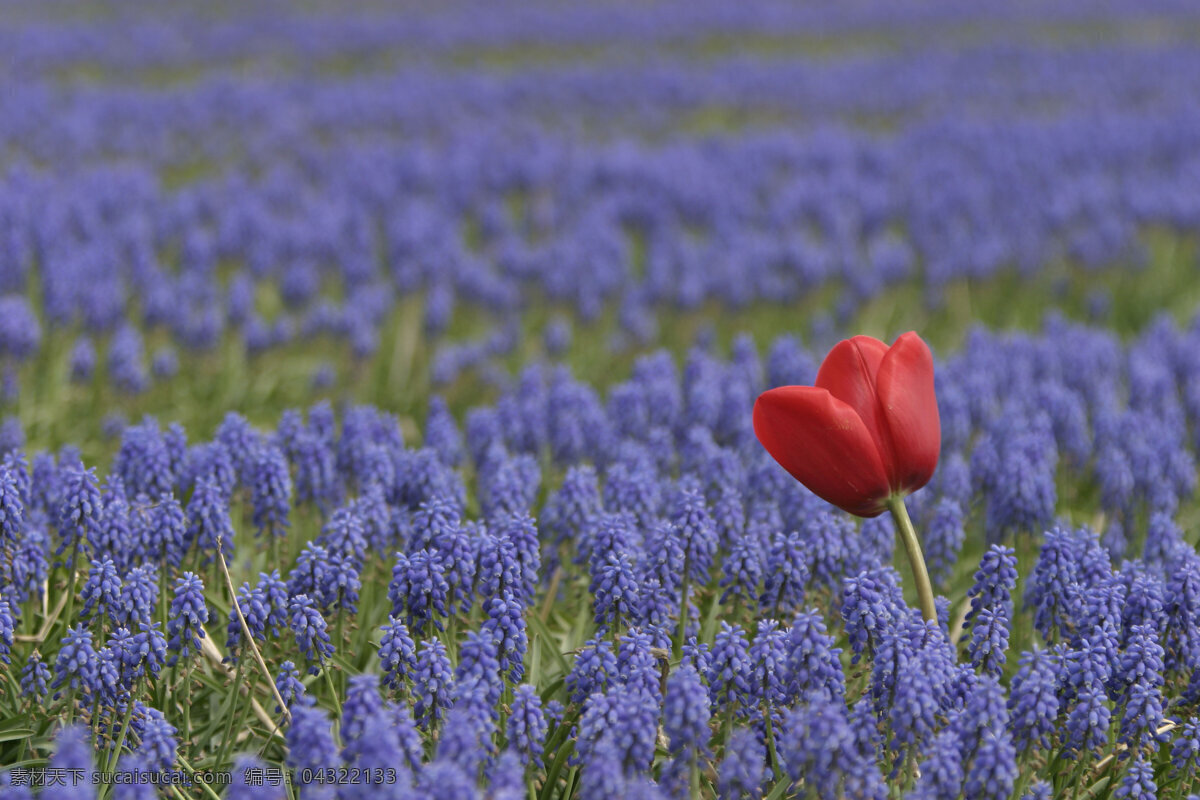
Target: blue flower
526, 727
158, 743
139, 596
813, 663
1033, 702
506, 623
34, 677
989, 640
593, 671
188, 615
818, 747
310, 743
730, 670
101, 592
1138, 783
870, 603
419, 590
786, 574
309, 628
77, 661
71, 752
994, 582
271, 490
623, 719
209, 524
743, 767
686, 711
942, 770
291, 689
397, 653
433, 683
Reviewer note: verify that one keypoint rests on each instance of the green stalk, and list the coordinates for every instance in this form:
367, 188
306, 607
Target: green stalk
71, 586
769, 724
71, 705
229, 715
686, 589
204, 787
187, 702
333, 693
116, 751
916, 560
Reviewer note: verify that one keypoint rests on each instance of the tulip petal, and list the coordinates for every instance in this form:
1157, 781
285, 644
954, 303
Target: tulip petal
824, 444
909, 406
849, 373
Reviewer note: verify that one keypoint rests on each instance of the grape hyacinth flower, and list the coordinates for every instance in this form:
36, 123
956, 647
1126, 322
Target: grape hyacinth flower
1185, 750
743, 767
34, 677
686, 712
1138, 783
1033, 702
272, 491
311, 748
989, 640
506, 623
73, 755
593, 671
419, 590
397, 653
945, 536
188, 614
812, 660
433, 683
818, 747
731, 670
786, 574
139, 596
77, 661
995, 581
8, 624
290, 687
101, 592
254, 607
158, 743
310, 631
527, 726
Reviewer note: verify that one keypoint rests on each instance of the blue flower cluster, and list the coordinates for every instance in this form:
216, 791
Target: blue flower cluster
572, 590
254, 210
730, 619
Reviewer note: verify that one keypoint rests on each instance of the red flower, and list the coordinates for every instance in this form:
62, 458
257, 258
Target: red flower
868, 430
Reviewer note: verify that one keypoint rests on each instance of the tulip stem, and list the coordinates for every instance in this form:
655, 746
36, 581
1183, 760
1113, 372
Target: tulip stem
916, 559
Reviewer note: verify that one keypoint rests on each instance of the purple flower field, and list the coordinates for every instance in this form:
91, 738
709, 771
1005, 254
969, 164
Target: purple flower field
376, 390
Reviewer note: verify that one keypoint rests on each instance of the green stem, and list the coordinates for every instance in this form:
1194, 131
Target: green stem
187, 702
333, 694
204, 787
71, 586
71, 705
686, 589
769, 724
916, 560
120, 743
226, 741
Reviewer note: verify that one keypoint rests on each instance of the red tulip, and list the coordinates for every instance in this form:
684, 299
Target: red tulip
867, 432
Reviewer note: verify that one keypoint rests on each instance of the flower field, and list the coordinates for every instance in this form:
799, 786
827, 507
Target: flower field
551, 401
